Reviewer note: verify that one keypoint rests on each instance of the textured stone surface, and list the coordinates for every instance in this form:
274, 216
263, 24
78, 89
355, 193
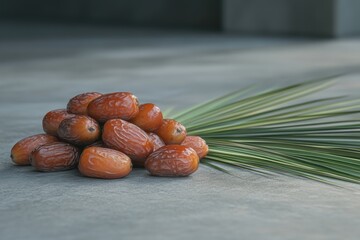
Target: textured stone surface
41, 67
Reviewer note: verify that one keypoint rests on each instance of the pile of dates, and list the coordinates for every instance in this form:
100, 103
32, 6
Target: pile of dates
105, 135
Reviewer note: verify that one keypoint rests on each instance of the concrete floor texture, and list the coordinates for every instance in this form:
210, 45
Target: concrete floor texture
42, 66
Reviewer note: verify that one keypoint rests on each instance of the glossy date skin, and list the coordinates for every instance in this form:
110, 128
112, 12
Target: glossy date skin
79, 130
156, 140
198, 144
20, 152
79, 103
149, 117
52, 120
129, 139
122, 105
171, 132
98, 162
55, 157
172, 161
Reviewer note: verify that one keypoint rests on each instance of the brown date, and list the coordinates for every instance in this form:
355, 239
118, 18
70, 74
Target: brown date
172, 161
98, 162
149, 117
52, 120
171, 132
55, 157
97, 144
79, 130
123, 105
129, 139
156, 140
79, 103
198, 144
20, 152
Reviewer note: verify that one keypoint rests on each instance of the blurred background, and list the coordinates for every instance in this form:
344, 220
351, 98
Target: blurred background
327, 18
217, 44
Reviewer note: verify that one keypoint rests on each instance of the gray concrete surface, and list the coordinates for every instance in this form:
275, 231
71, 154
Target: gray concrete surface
42, 66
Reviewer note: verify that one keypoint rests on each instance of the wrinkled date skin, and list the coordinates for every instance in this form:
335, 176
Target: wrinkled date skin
52, 120
79, 103
149, 117
156, 140
129, 139
55, 157
123, 105
79, 130
171, 132
198, 144
98, 162
20, 153
172, 161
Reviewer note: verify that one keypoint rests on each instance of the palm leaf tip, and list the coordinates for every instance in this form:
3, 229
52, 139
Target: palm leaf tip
281, 130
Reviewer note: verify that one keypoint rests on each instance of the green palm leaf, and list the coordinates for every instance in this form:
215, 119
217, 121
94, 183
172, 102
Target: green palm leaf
279, 131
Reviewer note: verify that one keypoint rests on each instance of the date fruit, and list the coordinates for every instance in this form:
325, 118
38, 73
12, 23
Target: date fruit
172, 161
198, 144
149, 117
105, 135
52, 120
79, 130
171, 132
156, 140
20, 153
123, 105
129, 139
98, 162
79, 103
55, 157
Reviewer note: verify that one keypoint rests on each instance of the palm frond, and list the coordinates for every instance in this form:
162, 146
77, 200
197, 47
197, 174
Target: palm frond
281, 131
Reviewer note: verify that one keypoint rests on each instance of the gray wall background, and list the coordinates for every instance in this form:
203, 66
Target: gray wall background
303, 17
347, 17
198, 14
326, 18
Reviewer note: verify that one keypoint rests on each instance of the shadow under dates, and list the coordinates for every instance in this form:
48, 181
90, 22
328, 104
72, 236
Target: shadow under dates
70, 183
